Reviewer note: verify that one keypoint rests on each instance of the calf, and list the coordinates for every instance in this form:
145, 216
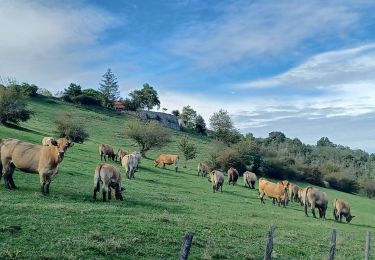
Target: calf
249, 179
217, 180
232, 176
106, 150
110, 177
341, 208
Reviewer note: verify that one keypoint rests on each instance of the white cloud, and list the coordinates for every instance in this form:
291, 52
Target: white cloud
48, 43
263, 29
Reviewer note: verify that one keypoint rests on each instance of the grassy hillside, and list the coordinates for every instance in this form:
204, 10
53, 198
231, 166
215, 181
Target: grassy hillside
160, 206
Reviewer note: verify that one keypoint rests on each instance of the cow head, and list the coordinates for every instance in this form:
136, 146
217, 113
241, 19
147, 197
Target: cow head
285, 185
349, 218
156, 163
62, 145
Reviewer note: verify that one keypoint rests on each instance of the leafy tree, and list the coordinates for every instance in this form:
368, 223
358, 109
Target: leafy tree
13, 106
68, 125
200, 125
29, 90
188, 116
276, 137
73, 90
109, 88
176, 113
147, 97
148, 135
188, 148
222, 127
44, 92
324, 141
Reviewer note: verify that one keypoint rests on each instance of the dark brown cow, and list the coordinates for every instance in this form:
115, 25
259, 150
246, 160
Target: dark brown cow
232, 176
315, 198
105, 150
32, 158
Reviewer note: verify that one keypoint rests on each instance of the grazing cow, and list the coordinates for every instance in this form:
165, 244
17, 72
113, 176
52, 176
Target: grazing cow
111, 178
106, 150
277, 191
341, 208
121, 153
293, 192
47, 141
316, 199
137, 158
249, 179
203, 169
232, 175
129, 162
217, 180
167, 159
32, 158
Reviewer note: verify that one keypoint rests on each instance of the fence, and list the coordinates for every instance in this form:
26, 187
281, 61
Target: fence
186, 245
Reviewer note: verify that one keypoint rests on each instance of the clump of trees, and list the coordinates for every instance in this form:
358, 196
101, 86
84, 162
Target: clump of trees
188, 149
223, 129
148, 135
13, 105
68, 125
191, 120
147, 97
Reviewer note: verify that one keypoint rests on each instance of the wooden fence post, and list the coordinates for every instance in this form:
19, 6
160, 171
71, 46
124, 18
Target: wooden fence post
367, 248
185, 249
332, 246
269, 246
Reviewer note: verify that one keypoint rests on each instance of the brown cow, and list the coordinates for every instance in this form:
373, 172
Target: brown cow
249, 179
121, 153
217, 180
32, 158
167, 159
293, 192
111, 178
232, 175
277, 191
47, 141
129, 162
106, 150
341, 208
203, 169
315, 198
301, 195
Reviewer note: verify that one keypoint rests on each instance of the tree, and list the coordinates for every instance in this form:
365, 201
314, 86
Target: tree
200, 125
176, 113
324, 141
148, 135
187, 148
147, 97
222, 127
68, 125
13, 106
109, 88
73, 90
29, 90
188, 116
44, 92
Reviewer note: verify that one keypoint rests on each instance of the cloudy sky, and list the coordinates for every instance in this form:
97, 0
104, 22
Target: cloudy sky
306, 68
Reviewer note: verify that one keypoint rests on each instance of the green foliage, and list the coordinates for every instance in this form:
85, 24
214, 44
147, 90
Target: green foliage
68, 125
200, 125
223, 129
148, 135
188, 149
73, 90
109, 88
44, 92
324, 141
188, 116
176, 113
147, 97
369, 188
29, 89
341, 183
13, 106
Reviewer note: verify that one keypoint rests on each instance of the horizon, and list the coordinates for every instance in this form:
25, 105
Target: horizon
308, 79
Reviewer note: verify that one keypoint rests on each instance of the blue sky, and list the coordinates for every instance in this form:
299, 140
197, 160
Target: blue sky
302, 67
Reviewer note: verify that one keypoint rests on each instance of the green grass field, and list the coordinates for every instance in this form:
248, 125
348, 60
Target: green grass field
160, 206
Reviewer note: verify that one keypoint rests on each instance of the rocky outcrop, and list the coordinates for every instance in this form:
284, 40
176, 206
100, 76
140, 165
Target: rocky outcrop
165, 119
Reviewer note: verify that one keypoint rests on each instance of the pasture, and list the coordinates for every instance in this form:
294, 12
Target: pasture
159, 206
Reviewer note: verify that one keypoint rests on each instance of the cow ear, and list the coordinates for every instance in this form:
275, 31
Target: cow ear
54, 142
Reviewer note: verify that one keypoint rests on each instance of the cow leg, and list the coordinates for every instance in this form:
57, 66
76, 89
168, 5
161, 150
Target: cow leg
176, 168
313, 211
109, 193
42, 178
340, 214
9, 177
48, 182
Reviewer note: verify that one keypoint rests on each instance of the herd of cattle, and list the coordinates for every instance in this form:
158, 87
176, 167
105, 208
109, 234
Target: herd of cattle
45, 160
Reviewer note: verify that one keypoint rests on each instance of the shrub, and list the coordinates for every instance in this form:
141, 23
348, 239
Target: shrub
369, 188
86, 100
13, 106
188, 149
67, 125
341, 183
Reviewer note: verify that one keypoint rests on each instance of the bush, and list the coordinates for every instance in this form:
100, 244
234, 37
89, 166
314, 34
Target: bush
67, 125
369, 188
341, 183
13, 106
86, 100
311, 175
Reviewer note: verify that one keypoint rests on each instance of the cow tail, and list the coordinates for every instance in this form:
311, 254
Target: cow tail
97, 187
307, 189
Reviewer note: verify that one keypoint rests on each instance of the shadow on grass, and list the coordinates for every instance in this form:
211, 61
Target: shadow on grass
20, 128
